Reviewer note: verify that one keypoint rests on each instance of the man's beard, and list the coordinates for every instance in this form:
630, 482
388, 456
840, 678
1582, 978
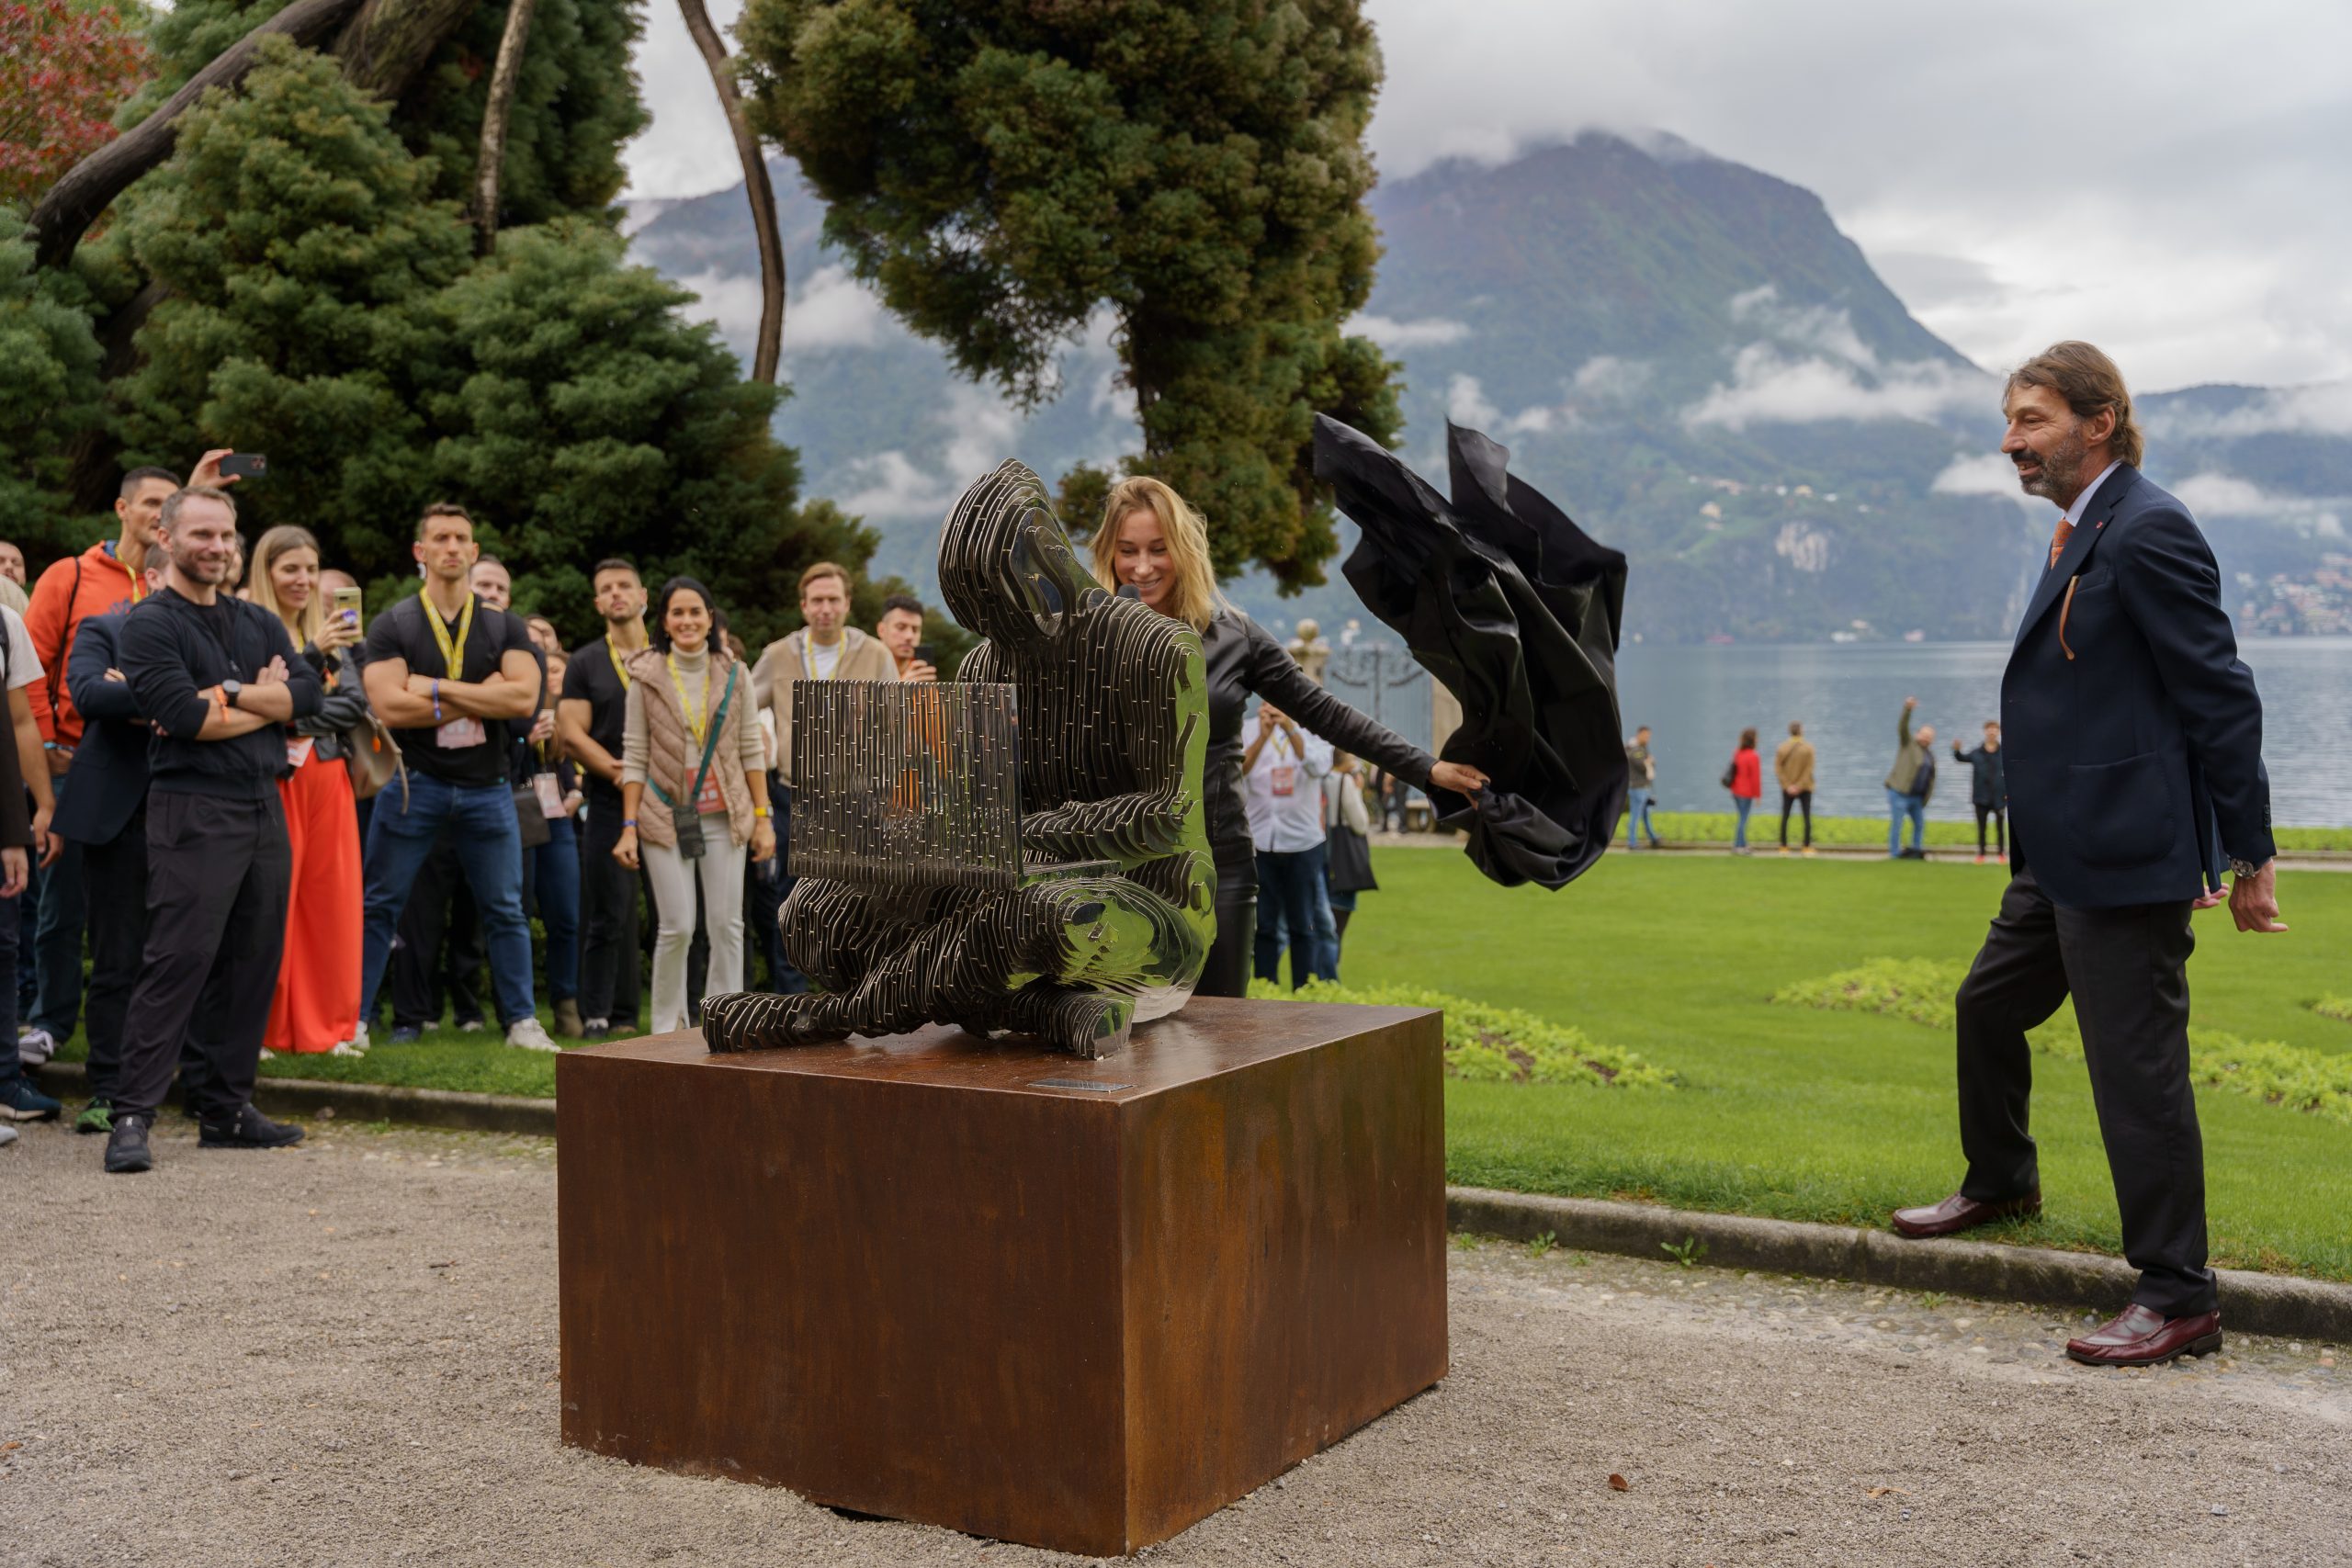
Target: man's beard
194, 567
2060, 478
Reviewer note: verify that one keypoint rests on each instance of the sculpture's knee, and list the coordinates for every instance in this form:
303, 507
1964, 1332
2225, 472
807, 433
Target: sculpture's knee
752, 1020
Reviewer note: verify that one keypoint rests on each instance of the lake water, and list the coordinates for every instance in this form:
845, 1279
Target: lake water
1698, 699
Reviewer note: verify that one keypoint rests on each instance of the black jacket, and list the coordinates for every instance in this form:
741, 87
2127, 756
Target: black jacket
171, 655
2120, 700
1990, 785
107, 783
1244, 658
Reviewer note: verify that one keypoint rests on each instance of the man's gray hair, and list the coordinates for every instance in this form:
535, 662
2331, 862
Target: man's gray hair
180, 498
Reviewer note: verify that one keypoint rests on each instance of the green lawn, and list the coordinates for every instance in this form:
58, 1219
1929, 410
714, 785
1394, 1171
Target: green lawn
1764, 830
1782, 1111
1834, 1116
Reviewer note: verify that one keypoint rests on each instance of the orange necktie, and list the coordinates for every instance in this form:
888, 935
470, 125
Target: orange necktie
2058, 539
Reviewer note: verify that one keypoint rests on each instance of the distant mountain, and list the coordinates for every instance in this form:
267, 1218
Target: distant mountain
1684, 352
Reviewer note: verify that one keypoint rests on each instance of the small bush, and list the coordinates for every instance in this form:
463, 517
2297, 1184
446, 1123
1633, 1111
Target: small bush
2338, 1008
1492, 1044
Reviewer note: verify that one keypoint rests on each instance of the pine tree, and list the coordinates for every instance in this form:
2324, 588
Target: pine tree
1198, 165
49, 389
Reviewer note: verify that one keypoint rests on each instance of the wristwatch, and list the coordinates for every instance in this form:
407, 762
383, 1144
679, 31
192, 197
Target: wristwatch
229, 690
2244, 868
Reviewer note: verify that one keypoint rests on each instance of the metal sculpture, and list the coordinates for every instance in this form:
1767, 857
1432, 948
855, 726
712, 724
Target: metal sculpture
1024, 850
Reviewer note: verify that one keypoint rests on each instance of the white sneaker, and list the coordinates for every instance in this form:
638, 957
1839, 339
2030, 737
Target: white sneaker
354, 1046
530, 1035
7, 1134
35, 1046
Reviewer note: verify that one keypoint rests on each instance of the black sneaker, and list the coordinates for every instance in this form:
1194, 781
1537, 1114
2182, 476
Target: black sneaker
251, 1129
127, 1150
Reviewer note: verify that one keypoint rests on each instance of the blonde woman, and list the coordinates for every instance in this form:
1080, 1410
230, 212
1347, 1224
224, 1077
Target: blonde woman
1151, 541
694, 791
317, 1005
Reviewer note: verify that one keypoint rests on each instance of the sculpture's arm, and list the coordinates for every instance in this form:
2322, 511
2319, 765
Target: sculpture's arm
1168, 758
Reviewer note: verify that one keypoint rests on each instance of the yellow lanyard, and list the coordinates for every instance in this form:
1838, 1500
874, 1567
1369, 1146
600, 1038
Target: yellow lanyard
620, 666
698, 720
453, 653
138, 588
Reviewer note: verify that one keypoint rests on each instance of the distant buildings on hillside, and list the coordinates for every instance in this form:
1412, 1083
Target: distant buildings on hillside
2318, 605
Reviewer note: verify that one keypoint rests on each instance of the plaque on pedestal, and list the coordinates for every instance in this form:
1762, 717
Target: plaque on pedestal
1075, 1303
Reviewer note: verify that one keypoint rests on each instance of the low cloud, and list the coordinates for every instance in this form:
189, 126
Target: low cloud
891, 486
1987, 473
1426, 331
2225, 495
832, 309
2323, 410
1466, 405
1768, 386
1814, 327
1605, 376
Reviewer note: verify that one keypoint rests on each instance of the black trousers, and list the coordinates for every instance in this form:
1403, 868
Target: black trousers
1233, 955
1802, 798
118, 869
2000, 832
437, 947
2127, 971
611, 961
216, 875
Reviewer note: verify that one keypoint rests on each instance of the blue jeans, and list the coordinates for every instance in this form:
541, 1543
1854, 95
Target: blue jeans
1898, 807
1638, 807
489, 854
1741, 805
551, 886
1294, 900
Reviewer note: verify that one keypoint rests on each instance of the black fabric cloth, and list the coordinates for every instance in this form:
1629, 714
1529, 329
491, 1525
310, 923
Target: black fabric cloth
174, 649
107, 785
2127, 970
590, 678
2124, 702
2000, 832
1516, 611
1244, 661
403, 633
1233, 955
1803, 798
217, 874
611, 961
117, 939
1988, 783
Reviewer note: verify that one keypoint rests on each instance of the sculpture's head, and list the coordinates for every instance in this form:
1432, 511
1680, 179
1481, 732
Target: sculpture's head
1007, 568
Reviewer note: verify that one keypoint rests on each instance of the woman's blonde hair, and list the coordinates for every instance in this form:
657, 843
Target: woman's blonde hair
1193, 599
263, 586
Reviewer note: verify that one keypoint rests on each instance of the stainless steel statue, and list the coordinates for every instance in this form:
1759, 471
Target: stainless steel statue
1024, 850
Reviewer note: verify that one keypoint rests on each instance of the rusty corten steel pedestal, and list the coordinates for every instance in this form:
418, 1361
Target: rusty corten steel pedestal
909, 1276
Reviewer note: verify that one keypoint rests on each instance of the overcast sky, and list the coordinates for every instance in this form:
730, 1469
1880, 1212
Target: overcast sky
2168, 179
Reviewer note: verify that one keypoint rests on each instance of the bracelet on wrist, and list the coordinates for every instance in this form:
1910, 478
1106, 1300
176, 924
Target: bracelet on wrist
437, 701
628, 821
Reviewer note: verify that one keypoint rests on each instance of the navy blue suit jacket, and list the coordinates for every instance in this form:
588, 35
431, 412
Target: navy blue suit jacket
2132, 731
108, 782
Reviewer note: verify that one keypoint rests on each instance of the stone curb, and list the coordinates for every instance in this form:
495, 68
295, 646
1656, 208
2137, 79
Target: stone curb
372, 1102
2257, 1303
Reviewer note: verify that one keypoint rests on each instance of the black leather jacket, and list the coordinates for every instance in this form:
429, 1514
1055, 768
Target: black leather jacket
1243, 658
345, 705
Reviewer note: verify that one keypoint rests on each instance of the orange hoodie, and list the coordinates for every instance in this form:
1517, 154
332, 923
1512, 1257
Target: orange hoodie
88, 584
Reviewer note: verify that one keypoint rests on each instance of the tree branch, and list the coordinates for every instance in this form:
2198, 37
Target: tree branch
67, 209
769, 349
491, 156
389, 42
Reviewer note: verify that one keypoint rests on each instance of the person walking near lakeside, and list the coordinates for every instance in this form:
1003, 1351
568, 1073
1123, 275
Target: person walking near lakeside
1988, 790
692, 745
1793, 767
220, 680
592, 720
1910, 785
1641, 776
2124, 702
317, 1005
452, 677
1745, 778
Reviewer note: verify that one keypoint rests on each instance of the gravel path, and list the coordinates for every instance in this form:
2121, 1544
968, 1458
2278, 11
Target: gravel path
347, 1354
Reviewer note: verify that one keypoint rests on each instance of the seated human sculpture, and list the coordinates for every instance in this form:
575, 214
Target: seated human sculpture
1105, 919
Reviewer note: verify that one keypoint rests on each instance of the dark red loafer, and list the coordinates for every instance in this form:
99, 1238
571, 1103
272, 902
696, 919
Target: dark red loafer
1957, 1214
2143, 1336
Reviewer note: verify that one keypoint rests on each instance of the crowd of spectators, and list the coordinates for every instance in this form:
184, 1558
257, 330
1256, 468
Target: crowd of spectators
257, 823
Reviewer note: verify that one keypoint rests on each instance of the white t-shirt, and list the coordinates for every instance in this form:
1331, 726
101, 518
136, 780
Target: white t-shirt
24, 664
1284, 793
823, 660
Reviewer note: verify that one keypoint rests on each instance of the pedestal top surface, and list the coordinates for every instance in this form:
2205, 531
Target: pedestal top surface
1211, 1035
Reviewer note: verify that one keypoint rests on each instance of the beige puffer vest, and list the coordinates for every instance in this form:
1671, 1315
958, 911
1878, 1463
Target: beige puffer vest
672, 756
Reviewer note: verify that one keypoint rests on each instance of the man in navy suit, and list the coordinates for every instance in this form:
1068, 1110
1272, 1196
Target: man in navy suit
2133, 735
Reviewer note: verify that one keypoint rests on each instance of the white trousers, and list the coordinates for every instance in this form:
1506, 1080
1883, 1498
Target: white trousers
721, 868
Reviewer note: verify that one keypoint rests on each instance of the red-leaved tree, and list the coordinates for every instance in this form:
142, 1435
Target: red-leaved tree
63, 68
